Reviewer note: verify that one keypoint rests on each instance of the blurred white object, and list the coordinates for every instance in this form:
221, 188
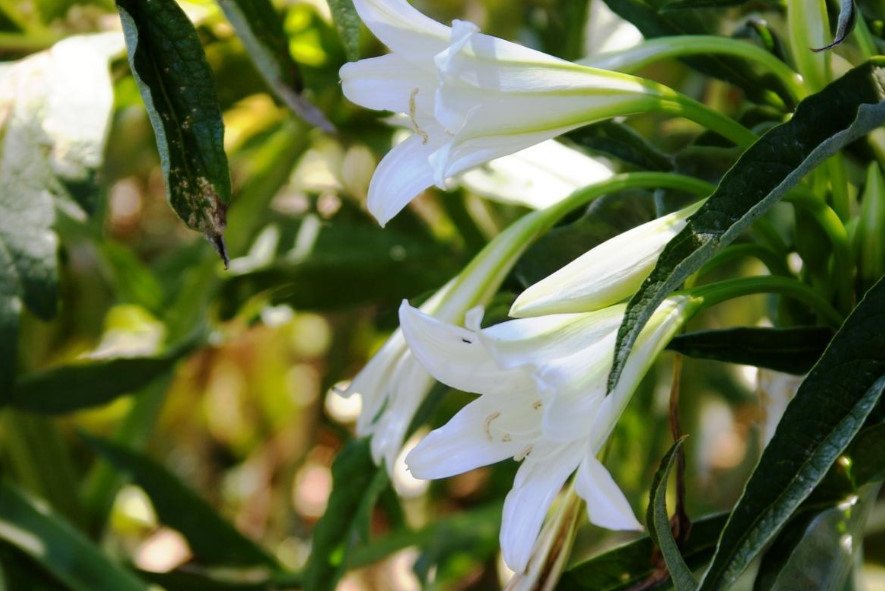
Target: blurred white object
606, 31
537, 176
775, 390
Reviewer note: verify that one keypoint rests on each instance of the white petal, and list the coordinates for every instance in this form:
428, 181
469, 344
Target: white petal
457, 357
607, 273
372, 382
388, 83
526, 505
404, 29
538, 341
400, 177
606, 504
483, 432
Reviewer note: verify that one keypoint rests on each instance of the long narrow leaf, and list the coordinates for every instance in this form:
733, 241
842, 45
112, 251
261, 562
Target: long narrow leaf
819, 423
824, 123
659, 524
47, 538
178, 90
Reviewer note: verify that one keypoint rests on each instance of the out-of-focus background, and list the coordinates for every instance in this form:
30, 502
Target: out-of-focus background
243, 404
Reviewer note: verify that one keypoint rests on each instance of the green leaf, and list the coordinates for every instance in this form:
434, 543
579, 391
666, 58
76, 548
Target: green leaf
177, 88
83, 385
57, 106
261, 29
658, 523
356, 485
819, 423
844, 111
790, 350
214, 541
628, 565
846, 22
347, 21
617, 140
57, 546
192, 580
867, 459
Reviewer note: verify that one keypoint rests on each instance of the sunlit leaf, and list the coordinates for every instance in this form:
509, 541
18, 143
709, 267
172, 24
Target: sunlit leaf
178, 90
261, 29
55, 109
347, 21
844, 111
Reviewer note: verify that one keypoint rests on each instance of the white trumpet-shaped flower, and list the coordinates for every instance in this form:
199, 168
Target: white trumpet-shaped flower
607, 273
471, 98
542, 401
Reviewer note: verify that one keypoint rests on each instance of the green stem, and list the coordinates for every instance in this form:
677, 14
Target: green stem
494, 262
26, 42
835, 230
769, 258
710, 119
716, 293
839, 186
648, 52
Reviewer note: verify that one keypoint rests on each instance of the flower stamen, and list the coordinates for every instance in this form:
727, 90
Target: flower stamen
413, 109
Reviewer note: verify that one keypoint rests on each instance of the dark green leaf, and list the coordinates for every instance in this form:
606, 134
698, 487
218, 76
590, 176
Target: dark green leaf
790, 350
213, 540
48, 143
347, 21
844, 111
611, 138
190, 580
83, 385
176, 84
846, 22
658, 523
628, 565
356, 485
58, 547
261, 29
819, 423
646, 16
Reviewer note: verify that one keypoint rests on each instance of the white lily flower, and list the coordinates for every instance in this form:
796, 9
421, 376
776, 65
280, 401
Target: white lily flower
607, 273
536, 177
472, 98
542, 401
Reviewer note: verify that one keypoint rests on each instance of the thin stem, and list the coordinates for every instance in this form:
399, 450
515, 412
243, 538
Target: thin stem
774, 263
716, 293
648, 52
835, 230
709, 119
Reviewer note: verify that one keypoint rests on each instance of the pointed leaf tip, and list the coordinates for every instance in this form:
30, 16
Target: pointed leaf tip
217, 241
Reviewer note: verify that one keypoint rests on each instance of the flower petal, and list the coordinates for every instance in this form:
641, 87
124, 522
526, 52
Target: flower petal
540, 340
605, 274
402, 175
404, 29
457, 357
606, 504
536, 484
476, 436
388, 83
